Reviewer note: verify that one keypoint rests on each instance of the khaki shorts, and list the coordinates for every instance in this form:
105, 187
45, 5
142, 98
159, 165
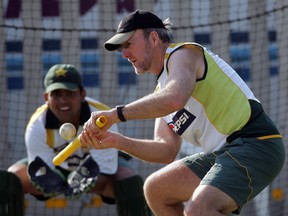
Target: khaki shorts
242, 168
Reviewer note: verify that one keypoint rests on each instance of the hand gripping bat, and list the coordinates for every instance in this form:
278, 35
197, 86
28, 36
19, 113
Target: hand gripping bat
74, 145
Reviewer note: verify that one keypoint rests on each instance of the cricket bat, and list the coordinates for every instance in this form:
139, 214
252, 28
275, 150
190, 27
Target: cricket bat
75, 144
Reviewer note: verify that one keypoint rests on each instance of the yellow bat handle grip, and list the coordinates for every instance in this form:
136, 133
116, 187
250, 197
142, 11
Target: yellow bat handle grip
73, 146
101, 121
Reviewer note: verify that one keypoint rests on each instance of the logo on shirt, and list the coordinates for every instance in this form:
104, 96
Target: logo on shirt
181, 121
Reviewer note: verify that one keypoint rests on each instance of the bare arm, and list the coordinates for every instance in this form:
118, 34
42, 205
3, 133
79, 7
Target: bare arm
162, 149
185, 66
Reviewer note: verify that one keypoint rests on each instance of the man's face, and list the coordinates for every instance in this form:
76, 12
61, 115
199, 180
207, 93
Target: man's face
138, 51
65, 104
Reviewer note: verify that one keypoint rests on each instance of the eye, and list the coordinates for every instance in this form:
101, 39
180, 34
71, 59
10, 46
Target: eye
125, 45
70, 93
55, 93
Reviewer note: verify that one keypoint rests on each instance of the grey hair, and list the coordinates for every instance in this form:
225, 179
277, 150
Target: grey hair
164, 34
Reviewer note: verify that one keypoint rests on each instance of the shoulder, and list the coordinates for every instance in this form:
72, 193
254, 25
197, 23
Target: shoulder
187, 56
96, 104
39, 112
192, 49
184, 52
173, 47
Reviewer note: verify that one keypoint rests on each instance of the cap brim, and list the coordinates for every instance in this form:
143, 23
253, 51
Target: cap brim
114, 43
68, 86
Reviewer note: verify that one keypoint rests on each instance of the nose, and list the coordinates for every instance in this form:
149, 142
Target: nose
125, 53
64, 97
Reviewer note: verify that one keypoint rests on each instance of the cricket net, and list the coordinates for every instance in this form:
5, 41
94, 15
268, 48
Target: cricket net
251, 35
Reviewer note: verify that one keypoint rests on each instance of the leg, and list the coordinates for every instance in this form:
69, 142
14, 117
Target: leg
233, 175
124, 171
209, 201
126, 189
12, 197
20, 170
129, 197
167, 189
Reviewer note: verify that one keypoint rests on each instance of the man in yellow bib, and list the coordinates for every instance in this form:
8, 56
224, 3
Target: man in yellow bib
104, 172
201, 99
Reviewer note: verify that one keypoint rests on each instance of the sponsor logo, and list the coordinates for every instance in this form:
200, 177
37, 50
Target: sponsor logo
181, 121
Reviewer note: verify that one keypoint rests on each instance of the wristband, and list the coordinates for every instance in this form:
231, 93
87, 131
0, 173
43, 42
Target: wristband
120, 113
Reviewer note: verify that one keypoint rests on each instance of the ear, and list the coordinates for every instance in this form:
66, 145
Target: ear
45, 96
83, 94
154, 37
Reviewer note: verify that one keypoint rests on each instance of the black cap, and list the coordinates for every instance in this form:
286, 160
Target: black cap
139, 19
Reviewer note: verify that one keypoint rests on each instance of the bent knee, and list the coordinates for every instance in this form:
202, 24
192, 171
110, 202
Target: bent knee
211, 201
151, 186
199, 209
148, 185
18, 169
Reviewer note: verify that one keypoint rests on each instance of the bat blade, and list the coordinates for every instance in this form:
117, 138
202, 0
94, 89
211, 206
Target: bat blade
66, 152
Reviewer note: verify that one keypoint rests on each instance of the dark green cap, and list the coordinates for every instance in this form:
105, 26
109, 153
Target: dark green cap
62, 76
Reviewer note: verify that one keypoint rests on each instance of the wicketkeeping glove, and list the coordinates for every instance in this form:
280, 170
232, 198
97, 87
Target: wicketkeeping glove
47, 181
82, 179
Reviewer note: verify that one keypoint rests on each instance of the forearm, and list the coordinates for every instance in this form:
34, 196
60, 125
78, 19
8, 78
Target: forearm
162, 149
150, 107
147, 150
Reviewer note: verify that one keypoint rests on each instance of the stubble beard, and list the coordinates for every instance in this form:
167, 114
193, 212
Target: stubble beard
145, 65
